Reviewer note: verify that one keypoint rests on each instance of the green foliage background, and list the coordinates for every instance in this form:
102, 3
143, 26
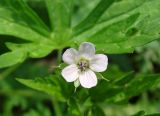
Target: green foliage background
34, 34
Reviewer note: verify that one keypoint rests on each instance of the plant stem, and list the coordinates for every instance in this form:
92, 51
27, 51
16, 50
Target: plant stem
59, 58
56, 107
54, 101
8, 71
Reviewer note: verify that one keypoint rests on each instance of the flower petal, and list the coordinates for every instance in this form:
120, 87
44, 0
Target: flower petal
70, 73
88, 79
87, 48
69, 56
99, 63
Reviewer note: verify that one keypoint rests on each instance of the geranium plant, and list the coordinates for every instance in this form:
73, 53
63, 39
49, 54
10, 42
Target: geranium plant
111, 26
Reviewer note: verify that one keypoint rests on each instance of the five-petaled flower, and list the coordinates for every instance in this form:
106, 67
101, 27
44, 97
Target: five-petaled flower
83, 64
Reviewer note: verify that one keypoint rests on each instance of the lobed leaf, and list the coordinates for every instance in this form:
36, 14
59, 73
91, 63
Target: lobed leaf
47, 84
59, 13
124, 30
18, 30
12, 58
19, 12
53, 85
122, 90
93, 17
34, 50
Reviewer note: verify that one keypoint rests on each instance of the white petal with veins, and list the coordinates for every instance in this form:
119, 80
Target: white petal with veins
88, 79
70, 55
70, 73
87, 48
99, 63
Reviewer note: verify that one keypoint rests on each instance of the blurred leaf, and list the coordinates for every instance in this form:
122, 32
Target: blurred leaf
140, 84
97, 111
140, 113
41, 110
12, 102
33, 112
47, 84
125, 79
155, 114
5, 73
50, 8
12, 58
149, 54
73, 107
53, 85
113, 73
110, 92
93, 17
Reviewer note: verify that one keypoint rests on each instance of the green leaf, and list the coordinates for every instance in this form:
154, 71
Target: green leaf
97, 111
19, 10
93, 17
60, 13
50, 8
18, 30
121, 91
34, 50
17, 19
24, 50
125, 79
73, 107
11, 58
120, 8
154, 114
123, 31
53, 85
48, 85
121, 36
140, 113
141, 83
40, 110
120, 28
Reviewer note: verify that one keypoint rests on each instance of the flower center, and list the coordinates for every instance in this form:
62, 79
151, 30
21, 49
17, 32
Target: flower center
83, 65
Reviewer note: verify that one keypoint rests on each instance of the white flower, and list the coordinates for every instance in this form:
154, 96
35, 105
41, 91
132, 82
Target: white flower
83, 64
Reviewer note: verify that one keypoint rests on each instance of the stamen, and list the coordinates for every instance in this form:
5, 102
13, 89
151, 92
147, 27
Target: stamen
83, 64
